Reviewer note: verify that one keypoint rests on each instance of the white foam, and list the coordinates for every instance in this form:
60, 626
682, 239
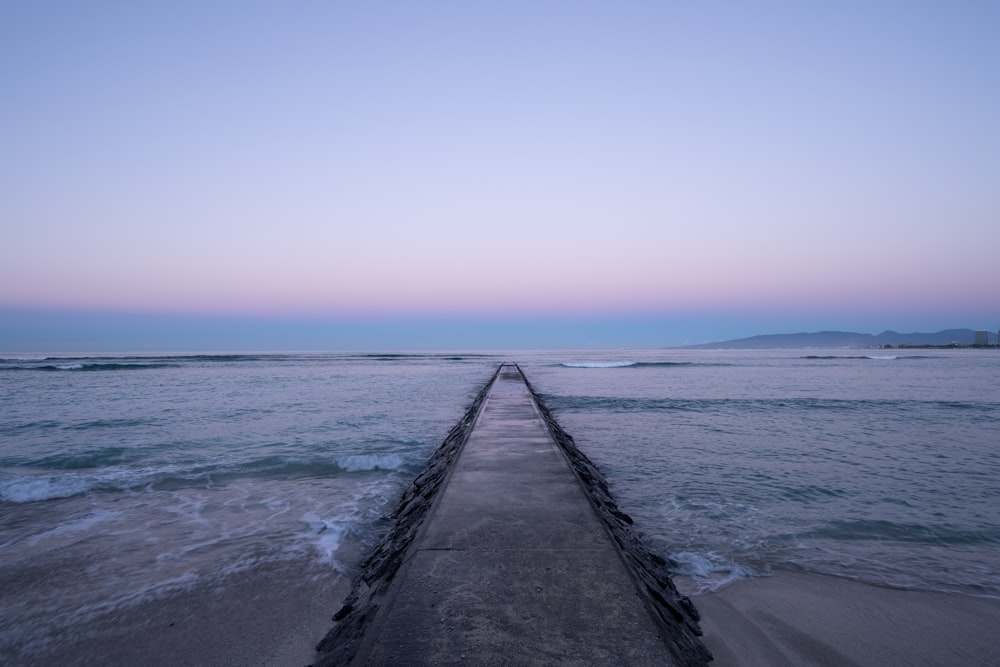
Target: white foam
709, 571
598, 364
69, 367
30, 488
83, 524
26, 489
325, 535
364, 462
885, 357
151, 591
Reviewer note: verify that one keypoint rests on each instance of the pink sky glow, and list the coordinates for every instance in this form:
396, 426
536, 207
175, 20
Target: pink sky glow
543, 160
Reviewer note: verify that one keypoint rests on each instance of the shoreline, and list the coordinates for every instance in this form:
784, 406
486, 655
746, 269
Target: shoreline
244, 617
787, 618
269, 615
797, 618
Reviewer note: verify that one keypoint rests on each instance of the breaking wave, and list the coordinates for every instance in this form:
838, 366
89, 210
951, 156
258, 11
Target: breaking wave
892, 531
632, 364
709, 571
873, 357
107, 470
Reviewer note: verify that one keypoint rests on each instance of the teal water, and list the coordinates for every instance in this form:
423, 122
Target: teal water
130, 478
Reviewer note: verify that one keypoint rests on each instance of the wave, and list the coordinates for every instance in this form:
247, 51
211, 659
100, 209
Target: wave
397, 356
709, 571
117, 362
632, 364
136, 362
46, 425
369, 462
21, 489
87, 366
104, 366
825, 357
84, 524
881, 530
41, 425
107, 423
920, 409
873, 357
281, 467
222, 357
109, 470
95, 458
325, 534
598, 364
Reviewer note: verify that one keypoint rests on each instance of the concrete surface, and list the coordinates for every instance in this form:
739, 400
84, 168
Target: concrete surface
512, 565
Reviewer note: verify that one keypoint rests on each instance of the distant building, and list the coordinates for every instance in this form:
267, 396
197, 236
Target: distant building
982, 338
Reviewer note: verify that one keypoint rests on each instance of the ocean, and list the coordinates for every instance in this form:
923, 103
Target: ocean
126, 479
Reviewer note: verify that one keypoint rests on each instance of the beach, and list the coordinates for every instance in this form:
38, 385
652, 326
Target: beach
794, 618
271, 616
790, 618
817, 506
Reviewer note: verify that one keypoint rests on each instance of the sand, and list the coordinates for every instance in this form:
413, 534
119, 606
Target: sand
264, 617
272, 618
806, 619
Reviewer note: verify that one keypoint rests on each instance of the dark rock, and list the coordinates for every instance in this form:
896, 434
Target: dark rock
341, 642
677, 612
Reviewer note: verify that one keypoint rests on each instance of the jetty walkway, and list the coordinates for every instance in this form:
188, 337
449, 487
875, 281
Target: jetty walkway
512, 563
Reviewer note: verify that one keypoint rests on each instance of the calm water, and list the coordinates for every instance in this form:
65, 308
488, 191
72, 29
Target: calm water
883, 468
126, 479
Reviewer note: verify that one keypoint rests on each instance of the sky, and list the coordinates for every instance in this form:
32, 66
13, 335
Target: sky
334, 175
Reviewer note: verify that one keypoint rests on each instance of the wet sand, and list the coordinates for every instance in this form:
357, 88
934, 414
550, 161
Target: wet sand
276, 618
805, 619
268, 616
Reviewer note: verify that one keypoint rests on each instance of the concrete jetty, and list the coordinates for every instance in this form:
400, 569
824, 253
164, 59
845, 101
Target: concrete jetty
513, 559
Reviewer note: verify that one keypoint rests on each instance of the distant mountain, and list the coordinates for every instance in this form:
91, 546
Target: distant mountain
846, 339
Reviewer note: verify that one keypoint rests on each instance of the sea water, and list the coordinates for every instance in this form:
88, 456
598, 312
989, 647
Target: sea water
125, 479
873, 465
130, 479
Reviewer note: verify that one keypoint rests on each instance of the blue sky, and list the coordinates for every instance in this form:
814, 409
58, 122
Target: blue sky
475, 174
